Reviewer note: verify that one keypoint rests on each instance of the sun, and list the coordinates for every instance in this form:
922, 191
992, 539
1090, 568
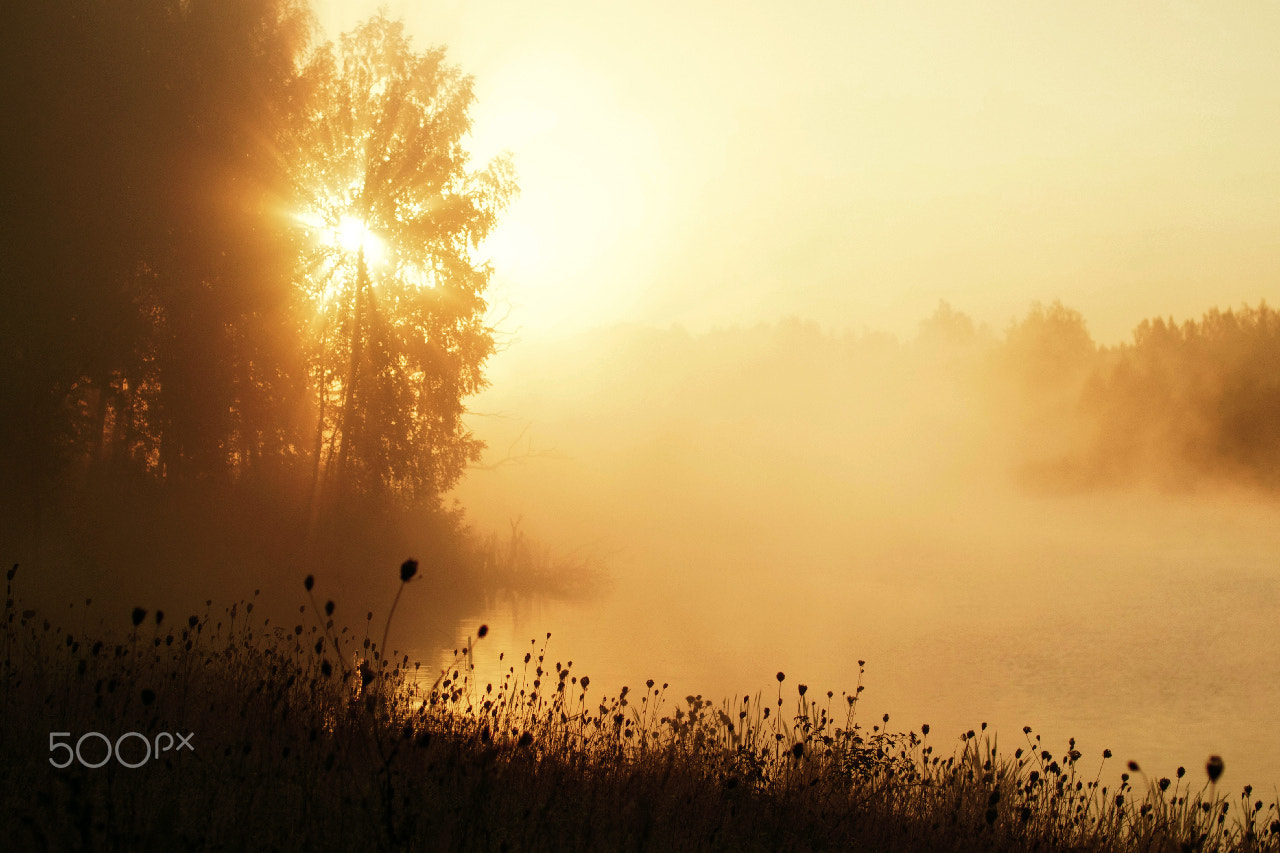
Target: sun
345, 233
346, 251
353, 235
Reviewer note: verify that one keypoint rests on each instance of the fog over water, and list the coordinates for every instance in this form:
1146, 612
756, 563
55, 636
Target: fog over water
784, 498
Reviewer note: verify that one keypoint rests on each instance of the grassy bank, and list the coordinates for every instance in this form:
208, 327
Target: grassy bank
305, 735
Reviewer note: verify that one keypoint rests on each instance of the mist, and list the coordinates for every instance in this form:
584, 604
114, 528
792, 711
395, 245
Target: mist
914, 367
1009, 526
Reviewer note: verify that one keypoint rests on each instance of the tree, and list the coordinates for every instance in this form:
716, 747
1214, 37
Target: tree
391, 297
1196, 401
140, 263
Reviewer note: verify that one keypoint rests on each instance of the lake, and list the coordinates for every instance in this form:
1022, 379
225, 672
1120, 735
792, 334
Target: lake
1145, 624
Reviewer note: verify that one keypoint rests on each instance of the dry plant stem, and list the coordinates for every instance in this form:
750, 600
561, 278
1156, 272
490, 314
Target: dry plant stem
408, 569
328, 632
382, 648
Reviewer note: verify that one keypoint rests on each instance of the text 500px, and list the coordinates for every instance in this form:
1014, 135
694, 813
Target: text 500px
138, 747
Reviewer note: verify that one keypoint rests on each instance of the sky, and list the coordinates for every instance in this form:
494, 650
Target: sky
855, 163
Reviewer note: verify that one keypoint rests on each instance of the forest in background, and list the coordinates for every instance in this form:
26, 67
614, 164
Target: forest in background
1180, 406
782, 413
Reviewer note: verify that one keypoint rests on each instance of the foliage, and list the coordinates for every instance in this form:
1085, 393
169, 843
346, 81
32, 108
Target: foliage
167, 321
144, 282
1192, 402
396, 340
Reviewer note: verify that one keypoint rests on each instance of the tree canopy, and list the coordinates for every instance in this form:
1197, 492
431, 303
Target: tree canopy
396, 301
181, 302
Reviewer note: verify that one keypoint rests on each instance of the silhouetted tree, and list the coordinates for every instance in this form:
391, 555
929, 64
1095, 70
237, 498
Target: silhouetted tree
140, 188
221, 260
1184, 403
1049, 348
947, 329
394, 299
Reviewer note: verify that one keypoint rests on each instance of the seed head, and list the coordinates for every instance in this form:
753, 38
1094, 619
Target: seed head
408, 569
309, 582
781, 677
483, 629
1214, 767
138, 615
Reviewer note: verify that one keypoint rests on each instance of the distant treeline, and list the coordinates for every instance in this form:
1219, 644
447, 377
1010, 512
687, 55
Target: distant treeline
1187, 403
1179, 406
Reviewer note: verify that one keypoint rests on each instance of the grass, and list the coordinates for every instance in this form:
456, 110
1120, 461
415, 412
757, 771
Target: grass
309, 735
520, 565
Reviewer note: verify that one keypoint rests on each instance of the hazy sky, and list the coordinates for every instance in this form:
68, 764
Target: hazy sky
856, 162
